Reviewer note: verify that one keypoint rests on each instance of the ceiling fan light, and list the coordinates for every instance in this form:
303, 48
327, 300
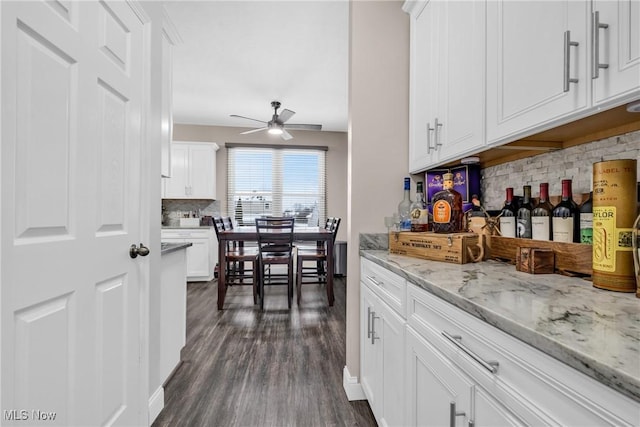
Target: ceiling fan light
275, 130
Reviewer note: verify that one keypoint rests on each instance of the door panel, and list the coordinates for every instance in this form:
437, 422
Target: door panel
72, 95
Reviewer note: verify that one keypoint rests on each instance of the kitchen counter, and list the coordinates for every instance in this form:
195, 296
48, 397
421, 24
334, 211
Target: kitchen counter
594, 331
182, 227
166, 247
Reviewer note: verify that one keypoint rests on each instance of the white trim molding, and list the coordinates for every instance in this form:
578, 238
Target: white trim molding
156, 404
352, 386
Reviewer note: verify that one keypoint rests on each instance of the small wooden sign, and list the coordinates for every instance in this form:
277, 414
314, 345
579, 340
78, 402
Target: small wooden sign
457, 248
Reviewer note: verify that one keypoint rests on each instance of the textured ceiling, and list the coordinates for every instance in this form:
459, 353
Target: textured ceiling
238, 56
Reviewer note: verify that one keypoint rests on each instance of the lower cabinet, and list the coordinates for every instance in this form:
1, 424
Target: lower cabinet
426, 362
201, 256
382, 364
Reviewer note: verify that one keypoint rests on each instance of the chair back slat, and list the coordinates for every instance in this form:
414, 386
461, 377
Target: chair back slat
275, 235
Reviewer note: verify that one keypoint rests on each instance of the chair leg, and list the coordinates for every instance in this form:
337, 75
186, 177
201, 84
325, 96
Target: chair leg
299, 279
254, 282
290, 282
261, 286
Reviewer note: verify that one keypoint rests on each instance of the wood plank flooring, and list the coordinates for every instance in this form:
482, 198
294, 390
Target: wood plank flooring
280, 367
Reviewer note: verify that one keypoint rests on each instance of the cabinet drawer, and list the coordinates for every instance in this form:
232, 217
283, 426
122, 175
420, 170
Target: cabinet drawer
186, 233
390, 287
550, 387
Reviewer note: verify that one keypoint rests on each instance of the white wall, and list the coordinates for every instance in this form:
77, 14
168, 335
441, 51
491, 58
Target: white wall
378, 135
336, 159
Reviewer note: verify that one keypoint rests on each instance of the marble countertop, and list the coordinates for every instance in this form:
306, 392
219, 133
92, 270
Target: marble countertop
595, 331
166, 247
181, 227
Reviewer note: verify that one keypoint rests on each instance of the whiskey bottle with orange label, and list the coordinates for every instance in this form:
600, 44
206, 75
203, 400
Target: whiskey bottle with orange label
447, 208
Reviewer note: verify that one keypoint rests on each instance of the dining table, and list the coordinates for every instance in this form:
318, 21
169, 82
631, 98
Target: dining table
245, 234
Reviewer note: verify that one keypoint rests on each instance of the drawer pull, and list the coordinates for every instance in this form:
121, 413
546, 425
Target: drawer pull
373, 327
491, 366
375, 282
368, 322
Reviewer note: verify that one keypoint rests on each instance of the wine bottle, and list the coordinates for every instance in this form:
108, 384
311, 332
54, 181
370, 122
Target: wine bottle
523, 226
404, 207
419, 211
566, 217
541, 215
586, 219
508, 216
447, 208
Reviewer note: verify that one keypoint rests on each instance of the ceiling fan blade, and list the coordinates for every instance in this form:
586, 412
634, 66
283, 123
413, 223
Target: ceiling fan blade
252, 131
285, 115
303, 127
285, 135
248, 118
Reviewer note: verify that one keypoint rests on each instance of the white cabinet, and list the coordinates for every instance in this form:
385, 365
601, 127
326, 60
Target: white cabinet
447, 81
382, 340
615, 27
201, 256
169, 39
493, 378
193, 171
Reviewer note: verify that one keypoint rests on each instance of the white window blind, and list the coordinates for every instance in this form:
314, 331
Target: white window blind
276, 182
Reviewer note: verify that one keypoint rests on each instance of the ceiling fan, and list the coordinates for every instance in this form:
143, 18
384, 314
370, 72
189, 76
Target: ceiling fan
277, 126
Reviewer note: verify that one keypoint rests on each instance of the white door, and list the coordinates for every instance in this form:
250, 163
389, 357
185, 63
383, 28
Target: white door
202, 174
369, 376
72, 94
391, 329
176, 187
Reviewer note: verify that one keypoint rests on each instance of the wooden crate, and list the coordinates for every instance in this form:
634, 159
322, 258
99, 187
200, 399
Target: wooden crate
457, 248
535, 260
571, 259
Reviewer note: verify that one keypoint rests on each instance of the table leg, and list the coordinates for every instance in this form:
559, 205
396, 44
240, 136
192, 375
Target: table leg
222, 266
330, 270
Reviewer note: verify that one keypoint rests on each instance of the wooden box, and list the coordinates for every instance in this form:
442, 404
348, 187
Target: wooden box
535, 260
571, 259
457, 248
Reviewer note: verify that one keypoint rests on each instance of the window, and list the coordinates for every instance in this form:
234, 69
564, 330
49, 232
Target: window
278, 182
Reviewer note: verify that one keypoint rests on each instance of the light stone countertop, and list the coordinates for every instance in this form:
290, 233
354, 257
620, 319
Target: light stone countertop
595, 331
167, 247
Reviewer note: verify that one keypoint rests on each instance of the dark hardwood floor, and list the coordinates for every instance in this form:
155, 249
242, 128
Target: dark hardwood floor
280, 367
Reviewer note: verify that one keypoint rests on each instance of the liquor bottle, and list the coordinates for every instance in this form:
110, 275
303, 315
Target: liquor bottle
523, 225
508, 216
419, 211
565, 217
447, 208
404, 207
541, 215
586, 219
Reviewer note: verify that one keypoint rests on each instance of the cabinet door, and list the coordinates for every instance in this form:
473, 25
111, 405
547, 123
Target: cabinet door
434, 384
526, 64
176, 187
391, 329
489, 412
619, 47
202, 164
424, 34
198, 265
461, 81
368, 354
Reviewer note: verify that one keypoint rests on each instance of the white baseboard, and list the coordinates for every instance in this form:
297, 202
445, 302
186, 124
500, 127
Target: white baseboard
351, 386
156, 404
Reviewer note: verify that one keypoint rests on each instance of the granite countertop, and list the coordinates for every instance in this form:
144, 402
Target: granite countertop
595, 331
167, 247
190, 227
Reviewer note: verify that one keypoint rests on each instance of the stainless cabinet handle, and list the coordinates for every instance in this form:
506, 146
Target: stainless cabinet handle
368, 322
373, 327
375, 282
453, 414
567, 60
491, 366
429, 130
595, 45
436, 132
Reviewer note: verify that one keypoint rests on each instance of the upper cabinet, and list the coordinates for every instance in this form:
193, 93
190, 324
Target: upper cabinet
537, 63
487, 73
193, 171
615, 28
447, 80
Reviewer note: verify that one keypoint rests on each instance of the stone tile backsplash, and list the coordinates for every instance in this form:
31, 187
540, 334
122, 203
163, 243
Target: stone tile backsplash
574, 163
172, 209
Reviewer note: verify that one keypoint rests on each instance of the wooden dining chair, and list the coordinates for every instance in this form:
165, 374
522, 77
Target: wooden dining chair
236, 257
275, 247
318, 256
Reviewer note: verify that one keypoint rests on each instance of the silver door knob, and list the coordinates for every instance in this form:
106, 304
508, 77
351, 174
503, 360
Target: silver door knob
135, 251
